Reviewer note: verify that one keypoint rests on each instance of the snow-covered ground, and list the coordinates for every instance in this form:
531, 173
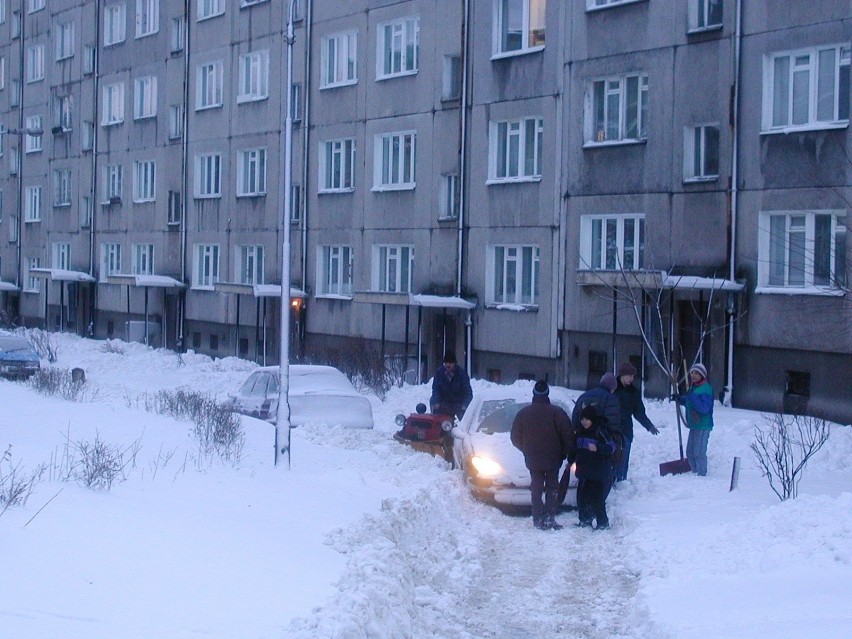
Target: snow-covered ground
362, 537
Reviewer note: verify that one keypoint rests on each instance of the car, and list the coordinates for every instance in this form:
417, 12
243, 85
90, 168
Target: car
317, 395
18, 358
492, 467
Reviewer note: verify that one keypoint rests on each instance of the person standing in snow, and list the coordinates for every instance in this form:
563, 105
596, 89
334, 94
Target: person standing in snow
698, 403
591, 452
542, 432
630, 401
451, 391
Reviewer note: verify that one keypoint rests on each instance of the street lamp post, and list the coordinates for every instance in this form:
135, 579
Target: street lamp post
282, 421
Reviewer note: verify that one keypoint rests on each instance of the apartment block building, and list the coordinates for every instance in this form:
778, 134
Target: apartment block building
533, 184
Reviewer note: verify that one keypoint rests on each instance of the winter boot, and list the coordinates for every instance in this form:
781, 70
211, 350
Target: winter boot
551, 523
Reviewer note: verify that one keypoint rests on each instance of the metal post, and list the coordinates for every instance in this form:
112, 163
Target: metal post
735, 474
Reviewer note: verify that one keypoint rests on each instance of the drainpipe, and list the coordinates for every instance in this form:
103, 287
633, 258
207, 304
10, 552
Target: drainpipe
93, 263
184, 172
19, 275
560, 186
465, 46
729, 372
306, 137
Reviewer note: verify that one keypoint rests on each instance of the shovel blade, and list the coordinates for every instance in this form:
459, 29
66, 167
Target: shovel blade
676, 467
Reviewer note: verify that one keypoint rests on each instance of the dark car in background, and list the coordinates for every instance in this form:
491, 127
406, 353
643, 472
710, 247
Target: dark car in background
18, 358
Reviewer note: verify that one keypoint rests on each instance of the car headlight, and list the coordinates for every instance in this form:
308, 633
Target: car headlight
485, 467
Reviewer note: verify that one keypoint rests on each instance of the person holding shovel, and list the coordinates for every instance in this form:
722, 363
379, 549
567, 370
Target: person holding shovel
630, 400
698, 403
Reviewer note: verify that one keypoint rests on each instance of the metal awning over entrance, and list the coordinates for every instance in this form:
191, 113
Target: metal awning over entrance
164, 282
62, 276
653, 280
8, 287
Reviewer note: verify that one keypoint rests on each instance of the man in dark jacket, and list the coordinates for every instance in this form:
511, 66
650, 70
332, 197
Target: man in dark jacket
543, 433
630, 400
451, 391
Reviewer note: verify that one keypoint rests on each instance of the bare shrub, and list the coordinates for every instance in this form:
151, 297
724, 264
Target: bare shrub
783, 447
60, 382
100, 465
113, 346
360, 362
43, 342
16, 486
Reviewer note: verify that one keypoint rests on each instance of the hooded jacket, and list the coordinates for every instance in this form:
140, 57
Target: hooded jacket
606, 404
543, 433
593, 464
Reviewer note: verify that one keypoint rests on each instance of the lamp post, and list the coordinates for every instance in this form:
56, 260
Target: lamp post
282, 420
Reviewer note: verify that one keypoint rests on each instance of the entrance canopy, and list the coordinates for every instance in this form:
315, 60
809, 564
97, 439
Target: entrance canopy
8, 287
153, 281
410, 299
60, 275
652, 280
257, 290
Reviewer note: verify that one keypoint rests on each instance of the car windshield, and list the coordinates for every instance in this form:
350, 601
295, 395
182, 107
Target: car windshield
496, 416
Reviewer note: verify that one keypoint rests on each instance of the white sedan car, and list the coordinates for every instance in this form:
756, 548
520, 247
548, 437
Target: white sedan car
317, 395
493, 468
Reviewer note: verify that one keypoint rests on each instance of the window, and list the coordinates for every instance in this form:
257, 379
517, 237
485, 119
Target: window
1, 206
337, 166
14, 160
15, 27
61, 255
88, 137
34, 5
175, 121
32, 212
33, 143
144, 181
802, 250
296, 102
147, 17
395, 155
519, 26
295, 203
13, 228
797, 383
601, 4
2, 71
206, 271
705, 14
208, 175
254, 76
334, 271
113, 178
451, 80
248, 3
110, 260
450, 196
174, 207
145, 97
35, 63
808, 88
612, 242
64, 40
33, 283
62, 187
14, 93
88, 59
115, 20
177, 37
398, 48
2, 11
619, 109
515, 149
339, 60
113, 97
63, 112
86, 210
208, 85
250, 264
251, 172
513, 275
210, 8
394, 268
701, 153
142, 259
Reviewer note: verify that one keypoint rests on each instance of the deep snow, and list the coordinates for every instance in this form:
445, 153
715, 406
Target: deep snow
363, 537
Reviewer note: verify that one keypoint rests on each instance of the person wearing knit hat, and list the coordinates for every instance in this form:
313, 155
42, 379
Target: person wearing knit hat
698, 403
590, 453
543, 433
451, 390
630, 401
609, 380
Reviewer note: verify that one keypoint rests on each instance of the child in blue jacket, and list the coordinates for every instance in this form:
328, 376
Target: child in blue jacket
592, 451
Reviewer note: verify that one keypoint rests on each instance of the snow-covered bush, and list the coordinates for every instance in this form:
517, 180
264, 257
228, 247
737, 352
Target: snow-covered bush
15, 485
100, 465
59, 381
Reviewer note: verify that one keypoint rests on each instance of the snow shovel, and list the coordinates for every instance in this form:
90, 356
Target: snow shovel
677, 466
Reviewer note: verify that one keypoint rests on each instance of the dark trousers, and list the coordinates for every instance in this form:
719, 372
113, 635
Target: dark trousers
621, 468
544, 482
591, 501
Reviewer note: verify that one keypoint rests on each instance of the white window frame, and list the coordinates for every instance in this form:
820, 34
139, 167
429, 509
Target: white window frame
87, 137
175, 121
34, 143
508, 264
451, 77
145, 97
147, 17
33, 283
205, 270
208, 176
34, 5
254, 76
86, 211
2, 72
61, 187
210, 9
115, 24
64, 40
64, 112
800, 249
393, 268
600, 251
174, 204
32, 203
339, 60
337, 166
249, 265
705, 15
142, 259
113, 104
144, 181
617, 88
596, 5
697, 152
532, 27
510, 158
208, 85
113, 181
450, 204
35, 63
60, 255
88, 59
334, 271
805, 66
110, 259
251, 172
177, 34
395, 161
2, 11
398, 48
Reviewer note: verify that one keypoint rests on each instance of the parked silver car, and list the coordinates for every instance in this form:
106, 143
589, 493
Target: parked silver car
18, 358
317, 395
